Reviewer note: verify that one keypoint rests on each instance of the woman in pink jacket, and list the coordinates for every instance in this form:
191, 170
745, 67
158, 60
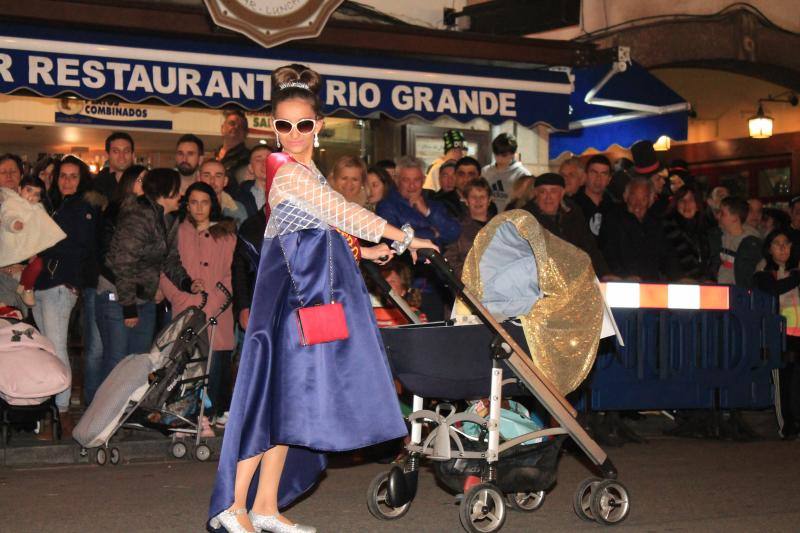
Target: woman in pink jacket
206, 245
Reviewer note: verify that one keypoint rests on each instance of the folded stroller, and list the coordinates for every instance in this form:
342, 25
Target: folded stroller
30, 375
484, 358
163, 390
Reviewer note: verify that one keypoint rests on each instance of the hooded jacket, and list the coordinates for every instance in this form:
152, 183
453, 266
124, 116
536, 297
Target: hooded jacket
142, 247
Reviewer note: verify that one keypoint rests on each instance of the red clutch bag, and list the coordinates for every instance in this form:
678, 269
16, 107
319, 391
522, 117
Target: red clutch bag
322, 323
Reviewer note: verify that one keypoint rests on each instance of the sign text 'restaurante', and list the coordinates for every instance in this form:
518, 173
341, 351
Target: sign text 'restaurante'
51, 74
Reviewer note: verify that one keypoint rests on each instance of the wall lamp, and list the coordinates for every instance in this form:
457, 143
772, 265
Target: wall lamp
760, 124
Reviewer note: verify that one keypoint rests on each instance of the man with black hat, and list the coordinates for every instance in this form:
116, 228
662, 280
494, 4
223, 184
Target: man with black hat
454, 148
647, 165
564, 222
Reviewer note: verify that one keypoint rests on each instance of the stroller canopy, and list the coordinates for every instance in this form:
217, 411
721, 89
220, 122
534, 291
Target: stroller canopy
518, 269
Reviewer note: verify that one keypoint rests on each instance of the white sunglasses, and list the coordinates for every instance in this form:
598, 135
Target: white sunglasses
303, 126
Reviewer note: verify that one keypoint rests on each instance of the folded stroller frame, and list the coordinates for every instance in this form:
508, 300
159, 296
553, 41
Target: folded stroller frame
491, 474
156, 390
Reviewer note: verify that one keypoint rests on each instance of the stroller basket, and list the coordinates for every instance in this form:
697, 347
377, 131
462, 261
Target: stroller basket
521, 469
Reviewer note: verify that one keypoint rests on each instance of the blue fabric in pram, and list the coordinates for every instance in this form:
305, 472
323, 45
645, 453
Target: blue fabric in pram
509, 274
438, 360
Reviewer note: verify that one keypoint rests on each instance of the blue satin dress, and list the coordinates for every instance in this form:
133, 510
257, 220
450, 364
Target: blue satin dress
333, 396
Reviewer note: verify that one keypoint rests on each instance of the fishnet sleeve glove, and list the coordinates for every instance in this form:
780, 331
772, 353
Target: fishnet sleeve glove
299, 185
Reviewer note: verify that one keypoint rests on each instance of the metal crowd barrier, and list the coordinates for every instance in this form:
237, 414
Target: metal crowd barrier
687, 347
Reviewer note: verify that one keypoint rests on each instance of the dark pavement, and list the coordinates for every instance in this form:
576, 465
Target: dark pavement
674, 484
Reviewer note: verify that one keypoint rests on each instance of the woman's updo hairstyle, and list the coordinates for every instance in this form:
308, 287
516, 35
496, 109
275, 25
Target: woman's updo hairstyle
296, 81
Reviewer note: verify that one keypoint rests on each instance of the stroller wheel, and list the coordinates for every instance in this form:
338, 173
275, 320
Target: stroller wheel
582, 501
178, 450
483, 509
526, 501
376, 500
101, 456
114, 456
202, 453
610, 502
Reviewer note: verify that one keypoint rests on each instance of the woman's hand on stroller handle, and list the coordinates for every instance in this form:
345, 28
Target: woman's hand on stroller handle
380, 253
422, 244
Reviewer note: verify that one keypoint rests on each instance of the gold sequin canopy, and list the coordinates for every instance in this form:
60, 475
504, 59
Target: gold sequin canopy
563, 326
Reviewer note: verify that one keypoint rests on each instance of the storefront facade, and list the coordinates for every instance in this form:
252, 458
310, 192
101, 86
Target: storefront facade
95, 79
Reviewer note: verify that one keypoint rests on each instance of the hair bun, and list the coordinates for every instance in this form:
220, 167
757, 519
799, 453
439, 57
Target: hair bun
296, 73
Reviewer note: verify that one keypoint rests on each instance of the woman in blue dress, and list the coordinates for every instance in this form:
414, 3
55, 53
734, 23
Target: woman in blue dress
292, 403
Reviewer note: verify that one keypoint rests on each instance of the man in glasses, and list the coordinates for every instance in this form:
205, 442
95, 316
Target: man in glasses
10, 171
234, 154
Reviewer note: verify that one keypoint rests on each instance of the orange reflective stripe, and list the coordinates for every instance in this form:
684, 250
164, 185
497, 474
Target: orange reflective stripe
660, 296
714, 297
653, 296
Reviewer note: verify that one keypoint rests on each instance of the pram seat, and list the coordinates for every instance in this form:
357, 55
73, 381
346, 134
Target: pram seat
447, 361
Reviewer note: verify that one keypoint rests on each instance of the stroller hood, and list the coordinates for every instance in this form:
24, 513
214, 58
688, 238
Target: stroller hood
518, 269
30, 370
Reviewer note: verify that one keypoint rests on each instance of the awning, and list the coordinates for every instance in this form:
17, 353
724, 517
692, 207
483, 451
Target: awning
94, 65
630, 105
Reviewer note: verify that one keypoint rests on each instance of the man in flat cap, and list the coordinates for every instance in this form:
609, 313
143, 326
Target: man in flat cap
562, 221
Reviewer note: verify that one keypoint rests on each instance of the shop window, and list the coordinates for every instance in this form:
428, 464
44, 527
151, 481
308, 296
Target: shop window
774, 181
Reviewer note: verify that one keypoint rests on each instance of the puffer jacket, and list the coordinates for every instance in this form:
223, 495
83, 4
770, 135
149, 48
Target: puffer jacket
143, 246
72, 261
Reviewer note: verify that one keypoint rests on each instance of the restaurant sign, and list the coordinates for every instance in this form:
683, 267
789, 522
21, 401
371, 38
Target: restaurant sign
272, 22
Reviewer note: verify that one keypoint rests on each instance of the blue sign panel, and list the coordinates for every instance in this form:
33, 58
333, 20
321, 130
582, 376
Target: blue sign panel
94, 67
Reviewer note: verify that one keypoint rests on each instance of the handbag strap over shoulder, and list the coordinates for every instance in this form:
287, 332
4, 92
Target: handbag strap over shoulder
289, 269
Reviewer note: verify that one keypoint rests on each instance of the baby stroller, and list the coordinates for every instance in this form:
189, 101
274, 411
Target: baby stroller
484, 358
30, 374
164, 390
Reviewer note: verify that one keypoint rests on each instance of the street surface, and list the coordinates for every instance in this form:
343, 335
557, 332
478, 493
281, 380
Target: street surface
675, 485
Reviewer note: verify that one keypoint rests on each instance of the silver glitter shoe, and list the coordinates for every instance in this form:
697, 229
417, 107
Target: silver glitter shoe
227, 519
271, 524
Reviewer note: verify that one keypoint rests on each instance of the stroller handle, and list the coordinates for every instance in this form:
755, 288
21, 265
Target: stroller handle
228, 297
224, 290
440, 263
374, 272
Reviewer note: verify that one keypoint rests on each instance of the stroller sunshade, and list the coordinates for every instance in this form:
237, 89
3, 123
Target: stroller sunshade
509, 274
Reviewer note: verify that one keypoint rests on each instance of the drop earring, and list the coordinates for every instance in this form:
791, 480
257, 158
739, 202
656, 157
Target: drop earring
278, 142
316, 140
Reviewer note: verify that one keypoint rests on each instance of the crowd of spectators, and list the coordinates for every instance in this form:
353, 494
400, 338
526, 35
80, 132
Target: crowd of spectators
139, 238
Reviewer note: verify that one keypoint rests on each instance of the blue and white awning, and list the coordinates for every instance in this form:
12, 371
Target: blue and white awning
612, 106
94, 65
